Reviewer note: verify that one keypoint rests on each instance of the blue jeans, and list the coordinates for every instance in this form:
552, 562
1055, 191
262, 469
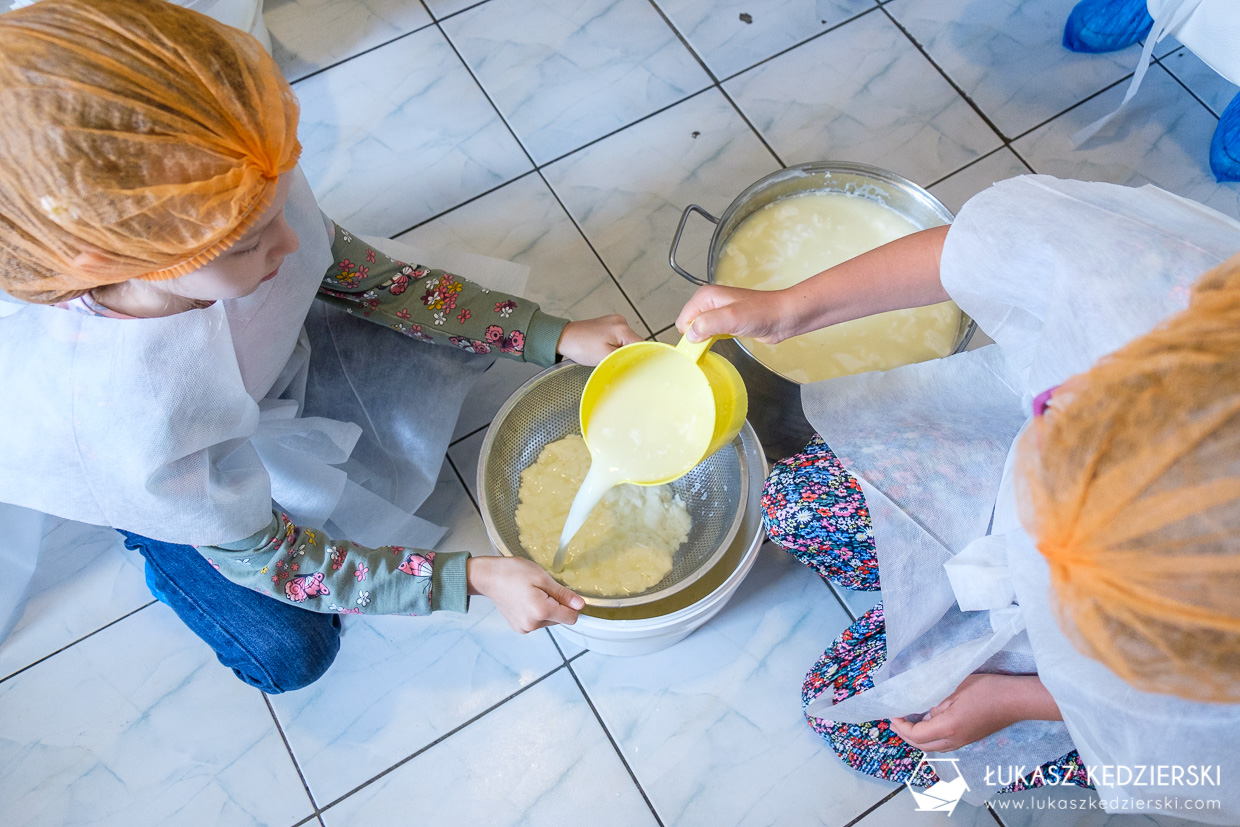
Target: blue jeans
268, 644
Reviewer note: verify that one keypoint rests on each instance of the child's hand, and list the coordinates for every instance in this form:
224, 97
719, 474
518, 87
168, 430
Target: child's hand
587, 342
981, 705
525, 595
735, 311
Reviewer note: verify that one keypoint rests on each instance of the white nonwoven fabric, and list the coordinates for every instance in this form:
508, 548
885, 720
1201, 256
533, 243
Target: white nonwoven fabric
187, 428
1058, 273
1209, 28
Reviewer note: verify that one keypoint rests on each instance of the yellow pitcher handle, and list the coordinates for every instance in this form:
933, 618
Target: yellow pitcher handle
731, 400
695, 350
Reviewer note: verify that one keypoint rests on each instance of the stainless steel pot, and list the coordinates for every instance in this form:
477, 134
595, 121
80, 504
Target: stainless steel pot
774, 400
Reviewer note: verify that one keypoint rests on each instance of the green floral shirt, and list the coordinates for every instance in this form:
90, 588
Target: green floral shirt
304, 566
436, 306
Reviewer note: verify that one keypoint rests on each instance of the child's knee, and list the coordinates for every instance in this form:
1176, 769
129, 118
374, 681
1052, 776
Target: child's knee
785, 495
297, 662
806, 495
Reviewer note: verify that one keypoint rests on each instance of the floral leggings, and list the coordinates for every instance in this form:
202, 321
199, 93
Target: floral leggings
816, 510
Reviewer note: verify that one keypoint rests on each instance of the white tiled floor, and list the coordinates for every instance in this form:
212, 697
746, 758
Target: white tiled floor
568, 135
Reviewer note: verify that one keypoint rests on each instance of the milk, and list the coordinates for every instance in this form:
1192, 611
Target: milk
627, 545
791, 239
652, 423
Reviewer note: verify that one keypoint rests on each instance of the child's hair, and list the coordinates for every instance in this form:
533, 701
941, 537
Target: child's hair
1131, 487
139, 140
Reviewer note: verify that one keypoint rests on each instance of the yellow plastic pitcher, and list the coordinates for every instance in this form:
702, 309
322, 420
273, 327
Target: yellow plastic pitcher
650, 413
710, 393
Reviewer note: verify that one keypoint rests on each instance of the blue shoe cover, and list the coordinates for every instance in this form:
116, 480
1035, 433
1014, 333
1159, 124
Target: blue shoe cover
1225, 147
1106, 25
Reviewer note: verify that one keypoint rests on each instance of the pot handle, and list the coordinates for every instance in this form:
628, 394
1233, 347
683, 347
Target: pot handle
671, 254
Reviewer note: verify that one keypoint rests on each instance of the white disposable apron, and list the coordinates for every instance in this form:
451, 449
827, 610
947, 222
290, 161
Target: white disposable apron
1058, 273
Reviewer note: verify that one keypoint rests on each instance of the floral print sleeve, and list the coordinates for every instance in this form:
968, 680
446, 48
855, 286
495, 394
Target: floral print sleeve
306, 568
436, 306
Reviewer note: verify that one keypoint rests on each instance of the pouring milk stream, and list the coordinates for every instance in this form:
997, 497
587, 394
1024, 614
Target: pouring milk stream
649, 414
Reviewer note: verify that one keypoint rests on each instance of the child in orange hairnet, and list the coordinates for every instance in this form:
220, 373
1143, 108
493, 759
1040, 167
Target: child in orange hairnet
1055, 518
162, 254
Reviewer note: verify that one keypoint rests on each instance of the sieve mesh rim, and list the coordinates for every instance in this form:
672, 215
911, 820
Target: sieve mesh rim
553, 397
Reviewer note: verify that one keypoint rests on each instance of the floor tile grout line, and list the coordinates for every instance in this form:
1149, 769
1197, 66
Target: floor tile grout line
796, 46
289, 747
620, 129
684, 41
367, 51
51, 655
466, 202
464, 484
1009, 141
1088, 98
554, 194
974, 162
1080, 102
1188, 89
540, 167
308, 819
718, 84
876, 805
614, 745
537, 167
1006, 141
458, 11
503, 119
1085, 100
481, 88
443, 737
951, 81
474, 432
1022, 159
457, 471
435, 21
752, 127
479, 510
839, 598
540, 170
556, 643
581, 231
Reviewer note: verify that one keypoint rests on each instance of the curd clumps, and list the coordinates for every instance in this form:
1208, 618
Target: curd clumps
627, 543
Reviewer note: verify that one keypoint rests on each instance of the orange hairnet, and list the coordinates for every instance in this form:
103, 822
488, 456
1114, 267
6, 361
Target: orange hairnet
1131, 487
138, 140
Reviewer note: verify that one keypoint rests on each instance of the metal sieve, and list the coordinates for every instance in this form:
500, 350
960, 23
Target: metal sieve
545, 409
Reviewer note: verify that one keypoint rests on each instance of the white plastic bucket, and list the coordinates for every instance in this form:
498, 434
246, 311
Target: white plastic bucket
641, 637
